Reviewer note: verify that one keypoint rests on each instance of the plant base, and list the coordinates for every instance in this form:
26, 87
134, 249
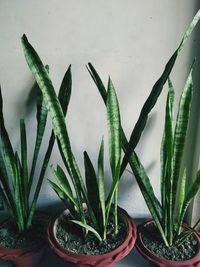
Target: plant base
103, 260
162, 262
24, 257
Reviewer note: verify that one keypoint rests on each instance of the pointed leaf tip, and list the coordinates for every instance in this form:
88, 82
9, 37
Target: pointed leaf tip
24, 38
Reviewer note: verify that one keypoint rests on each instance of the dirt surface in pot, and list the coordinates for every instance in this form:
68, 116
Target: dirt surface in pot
71, 237
153, 241
11, 238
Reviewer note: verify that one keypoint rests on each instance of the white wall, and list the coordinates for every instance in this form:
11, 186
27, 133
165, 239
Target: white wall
127, 39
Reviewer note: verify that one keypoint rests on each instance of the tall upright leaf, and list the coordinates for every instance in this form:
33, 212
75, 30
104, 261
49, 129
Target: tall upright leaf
114, 124
64, 98
39, 72
24, 164
102, 188
168, 212
92, 185
141, 181
41, 124
6, 147
19, 196
167, 142
194, 188
180, 133
4, 180
182, 192
156, 90
114, 139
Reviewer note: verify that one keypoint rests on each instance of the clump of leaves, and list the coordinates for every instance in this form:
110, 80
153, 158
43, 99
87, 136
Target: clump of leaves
16, 182
92, 192
163, 213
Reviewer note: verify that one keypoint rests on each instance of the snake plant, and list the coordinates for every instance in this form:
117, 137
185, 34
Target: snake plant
163, 212
92, 191
16, 182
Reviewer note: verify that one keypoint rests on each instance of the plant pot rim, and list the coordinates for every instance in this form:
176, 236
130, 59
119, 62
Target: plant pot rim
52, 238
25, 249
155, 258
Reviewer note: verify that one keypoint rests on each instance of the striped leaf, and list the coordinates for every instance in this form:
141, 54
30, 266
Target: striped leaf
88, 228
38, 70
64, 184
64, 94
24, 164
146, 109
5, 202
41, 124
152, 99
194, 188
65, 199
58, 122
112, 192
189, 30
181, 195
64, 99
167, 142
92, 185
6, 147
19, 196
143, 181
4, 180
113, 118
114, 141
168, 153
152, 204
101, 177
180, 134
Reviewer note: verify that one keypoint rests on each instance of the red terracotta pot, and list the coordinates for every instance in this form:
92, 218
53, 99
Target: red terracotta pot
104, 260
26, 257
161, 262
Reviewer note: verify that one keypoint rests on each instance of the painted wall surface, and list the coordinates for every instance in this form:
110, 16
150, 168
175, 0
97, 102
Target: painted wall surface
127, 39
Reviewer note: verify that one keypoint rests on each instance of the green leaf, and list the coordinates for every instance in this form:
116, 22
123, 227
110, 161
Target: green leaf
181, 195
194, 188
4, 180
146, 109
92, 185
6, 202
113, 118
189, 30
64, 98
144, 181
151, 201
64, 184
88, 228
180, 133
113, 189
114, 141
24, 171
65, 90
66, 200
6, 147
19, 196
102, 188
97, 80
186, 234
168, 139
152, 99
41, 124
58, 121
